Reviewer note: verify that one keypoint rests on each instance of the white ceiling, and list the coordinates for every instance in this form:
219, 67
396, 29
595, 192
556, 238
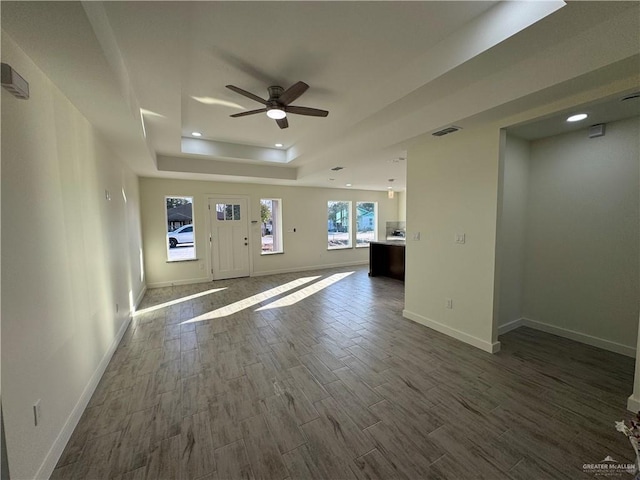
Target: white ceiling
618, 107
375, 66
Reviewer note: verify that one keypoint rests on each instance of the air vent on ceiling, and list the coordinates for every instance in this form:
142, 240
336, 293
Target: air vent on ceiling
446, 131
337, 169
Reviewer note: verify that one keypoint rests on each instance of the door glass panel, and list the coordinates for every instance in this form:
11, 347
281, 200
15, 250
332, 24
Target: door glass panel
236, 212
228, 212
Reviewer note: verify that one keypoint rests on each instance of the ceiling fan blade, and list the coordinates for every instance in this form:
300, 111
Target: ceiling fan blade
250, 112
283, 122
293, 92
247, 94
312, 112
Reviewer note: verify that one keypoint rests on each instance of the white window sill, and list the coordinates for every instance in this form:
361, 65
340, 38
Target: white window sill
339, 248
271, 253
183, 260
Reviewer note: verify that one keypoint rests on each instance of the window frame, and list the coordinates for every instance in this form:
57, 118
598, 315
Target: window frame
276, 225
168, 249
350, 225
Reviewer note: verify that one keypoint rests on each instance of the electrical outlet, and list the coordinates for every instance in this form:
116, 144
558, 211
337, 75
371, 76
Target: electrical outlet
448, 303
36, 413
416, 236
460, 238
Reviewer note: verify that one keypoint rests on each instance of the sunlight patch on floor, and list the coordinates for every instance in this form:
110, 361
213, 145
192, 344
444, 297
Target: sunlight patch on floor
305, 292
250, 301
176, 301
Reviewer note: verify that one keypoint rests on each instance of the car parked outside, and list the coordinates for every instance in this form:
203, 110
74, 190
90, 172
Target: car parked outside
180, 235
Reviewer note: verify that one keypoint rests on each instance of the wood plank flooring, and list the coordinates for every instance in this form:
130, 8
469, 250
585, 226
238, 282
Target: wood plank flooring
337, 385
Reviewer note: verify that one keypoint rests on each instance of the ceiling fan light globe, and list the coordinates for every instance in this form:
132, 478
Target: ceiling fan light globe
276, 113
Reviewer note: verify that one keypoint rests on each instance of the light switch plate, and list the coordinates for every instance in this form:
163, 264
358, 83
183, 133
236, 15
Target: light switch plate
416, 236
460, 238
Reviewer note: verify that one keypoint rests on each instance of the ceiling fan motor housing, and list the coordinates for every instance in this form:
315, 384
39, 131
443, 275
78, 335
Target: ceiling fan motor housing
275, 92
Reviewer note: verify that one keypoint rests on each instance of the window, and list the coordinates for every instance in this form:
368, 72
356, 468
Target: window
338, 225
366, 223
225, 212
271, 225
180, 229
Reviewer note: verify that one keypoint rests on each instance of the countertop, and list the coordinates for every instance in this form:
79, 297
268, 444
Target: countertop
393, 243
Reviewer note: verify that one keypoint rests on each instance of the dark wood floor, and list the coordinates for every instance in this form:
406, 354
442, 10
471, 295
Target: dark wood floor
332, 383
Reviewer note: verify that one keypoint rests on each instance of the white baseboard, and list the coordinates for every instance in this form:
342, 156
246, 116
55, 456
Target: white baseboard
615, 347
310, 267
56, 450
633, 404
260, 274
176, 283
143, 290
512, 325
452, 332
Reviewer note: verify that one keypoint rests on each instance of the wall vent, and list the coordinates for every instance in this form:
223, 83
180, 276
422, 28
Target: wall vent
337, 169
13, 82
446, 131
596, 130
631, 96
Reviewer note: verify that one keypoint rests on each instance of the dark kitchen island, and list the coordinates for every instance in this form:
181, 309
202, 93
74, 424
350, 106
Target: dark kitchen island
387, 259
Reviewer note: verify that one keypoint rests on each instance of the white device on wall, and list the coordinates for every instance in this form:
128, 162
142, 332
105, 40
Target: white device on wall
596, 130
13, 82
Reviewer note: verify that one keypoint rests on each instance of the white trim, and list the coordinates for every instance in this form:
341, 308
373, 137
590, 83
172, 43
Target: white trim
512, 325
452, 332
140, 296
581, 337
633, 404
310, 267
570, 334
176, 283
55, 452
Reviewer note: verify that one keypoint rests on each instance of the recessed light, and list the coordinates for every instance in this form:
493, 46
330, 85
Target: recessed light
348, 185
279, 145
196, 134
577, 118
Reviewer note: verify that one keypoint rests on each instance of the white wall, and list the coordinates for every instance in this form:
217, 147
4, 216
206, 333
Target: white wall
304, 209
452, 185
512, 229
402, 206
581, 254
69, 256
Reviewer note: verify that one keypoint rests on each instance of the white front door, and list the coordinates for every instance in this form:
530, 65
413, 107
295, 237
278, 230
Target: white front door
229, 237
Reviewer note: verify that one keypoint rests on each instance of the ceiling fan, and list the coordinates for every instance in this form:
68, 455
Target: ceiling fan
277, 106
